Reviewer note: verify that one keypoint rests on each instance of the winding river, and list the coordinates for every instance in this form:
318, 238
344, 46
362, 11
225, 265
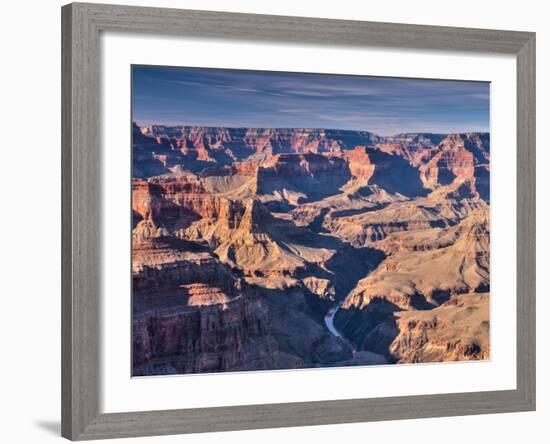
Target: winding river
329, 321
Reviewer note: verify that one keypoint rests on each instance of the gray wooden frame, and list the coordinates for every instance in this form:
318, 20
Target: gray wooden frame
81, 26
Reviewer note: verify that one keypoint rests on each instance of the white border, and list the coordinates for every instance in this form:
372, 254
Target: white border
121, 393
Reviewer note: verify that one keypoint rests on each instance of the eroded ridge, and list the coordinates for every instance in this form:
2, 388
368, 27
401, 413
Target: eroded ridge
266, 248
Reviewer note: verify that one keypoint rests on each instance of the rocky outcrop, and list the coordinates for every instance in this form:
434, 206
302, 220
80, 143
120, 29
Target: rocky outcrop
191, 313
368, 227
177, 202
247, 141
426, 269
166, 261
261, 245
359, 163
309, 176
458, 330
211, 332
244, 238
441, 158
321, 287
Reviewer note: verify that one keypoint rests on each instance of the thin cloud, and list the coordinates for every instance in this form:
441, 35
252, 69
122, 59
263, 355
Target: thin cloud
195, 96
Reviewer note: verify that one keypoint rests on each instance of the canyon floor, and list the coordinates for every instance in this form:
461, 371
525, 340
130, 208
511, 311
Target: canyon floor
263, 248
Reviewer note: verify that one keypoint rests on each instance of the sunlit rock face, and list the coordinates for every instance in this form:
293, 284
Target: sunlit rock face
245, 239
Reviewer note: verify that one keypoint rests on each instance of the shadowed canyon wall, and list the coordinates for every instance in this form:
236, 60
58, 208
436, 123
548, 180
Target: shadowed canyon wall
248, 243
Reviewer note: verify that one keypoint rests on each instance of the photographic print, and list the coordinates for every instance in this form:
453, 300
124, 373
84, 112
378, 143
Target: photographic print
296, 220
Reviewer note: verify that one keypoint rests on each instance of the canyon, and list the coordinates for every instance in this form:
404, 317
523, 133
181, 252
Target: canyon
285, 248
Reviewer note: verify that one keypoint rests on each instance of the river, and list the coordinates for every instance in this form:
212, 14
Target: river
329, 321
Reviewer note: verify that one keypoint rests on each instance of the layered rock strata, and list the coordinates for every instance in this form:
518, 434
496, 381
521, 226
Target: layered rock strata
244, 239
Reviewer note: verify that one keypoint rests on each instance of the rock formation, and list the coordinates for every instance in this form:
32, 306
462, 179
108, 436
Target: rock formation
245, 239
424, 270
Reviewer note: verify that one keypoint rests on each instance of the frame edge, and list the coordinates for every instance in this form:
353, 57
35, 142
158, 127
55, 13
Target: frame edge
526, 221
67, 425
81, 420
81, 246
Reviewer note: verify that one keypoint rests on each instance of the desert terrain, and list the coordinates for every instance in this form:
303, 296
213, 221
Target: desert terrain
282, 248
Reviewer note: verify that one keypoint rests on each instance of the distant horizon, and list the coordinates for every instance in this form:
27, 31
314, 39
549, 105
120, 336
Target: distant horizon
387, 106
434, 133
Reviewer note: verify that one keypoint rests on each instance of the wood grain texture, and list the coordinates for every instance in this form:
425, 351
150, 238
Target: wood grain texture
81, 231
259, 27
526, 221
66, 223
119, 425
81, 222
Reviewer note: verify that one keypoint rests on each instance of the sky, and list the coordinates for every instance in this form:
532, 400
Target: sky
268, 99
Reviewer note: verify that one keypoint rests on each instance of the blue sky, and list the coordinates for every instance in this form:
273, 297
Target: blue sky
231, 98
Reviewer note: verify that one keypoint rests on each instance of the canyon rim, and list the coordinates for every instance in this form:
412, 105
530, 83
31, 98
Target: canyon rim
289, 220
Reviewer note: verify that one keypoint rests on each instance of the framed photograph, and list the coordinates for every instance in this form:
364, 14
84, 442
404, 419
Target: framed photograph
278, 221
